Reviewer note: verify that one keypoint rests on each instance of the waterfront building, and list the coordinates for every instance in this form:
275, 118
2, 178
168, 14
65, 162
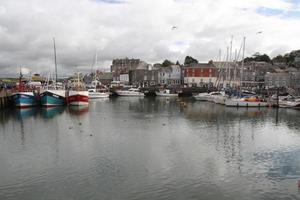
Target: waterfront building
200, 74
144, 77
105, 78
254, 74
122, 67
170, 76
279, 80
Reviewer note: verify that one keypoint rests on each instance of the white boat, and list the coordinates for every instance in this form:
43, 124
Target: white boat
166, 93
289, 102
245, 102
94, 94
134, 92
204, 96
220, 98
207, 96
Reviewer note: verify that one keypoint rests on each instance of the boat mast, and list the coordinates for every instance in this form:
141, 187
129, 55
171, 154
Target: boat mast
20, 81
243, 57
55, 63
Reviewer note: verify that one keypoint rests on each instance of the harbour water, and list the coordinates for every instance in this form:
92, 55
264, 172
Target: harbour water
149, 148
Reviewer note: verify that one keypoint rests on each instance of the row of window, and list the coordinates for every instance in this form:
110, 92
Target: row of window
170, 82
201, 70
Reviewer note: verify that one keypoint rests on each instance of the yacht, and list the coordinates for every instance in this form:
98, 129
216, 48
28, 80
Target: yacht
219, 98
245, 102
203, 96
289, 102
135, 92
97, 94
166, 93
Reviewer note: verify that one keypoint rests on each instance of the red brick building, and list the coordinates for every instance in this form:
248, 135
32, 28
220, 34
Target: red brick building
200, 74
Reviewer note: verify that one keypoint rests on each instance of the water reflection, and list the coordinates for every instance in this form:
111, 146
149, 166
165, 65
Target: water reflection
51, 112
25, 113
78, 110
149, 148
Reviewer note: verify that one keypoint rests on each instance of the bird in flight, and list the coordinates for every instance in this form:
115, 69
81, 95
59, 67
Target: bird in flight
174, 27
259, 32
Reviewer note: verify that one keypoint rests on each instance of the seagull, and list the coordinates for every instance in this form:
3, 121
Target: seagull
174, 27
259, 32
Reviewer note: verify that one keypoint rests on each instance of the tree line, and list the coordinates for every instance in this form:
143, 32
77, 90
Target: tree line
288, 59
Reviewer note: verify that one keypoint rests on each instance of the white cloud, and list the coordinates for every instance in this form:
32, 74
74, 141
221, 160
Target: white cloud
136, 28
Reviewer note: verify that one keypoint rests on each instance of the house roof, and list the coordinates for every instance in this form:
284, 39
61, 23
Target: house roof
200, 65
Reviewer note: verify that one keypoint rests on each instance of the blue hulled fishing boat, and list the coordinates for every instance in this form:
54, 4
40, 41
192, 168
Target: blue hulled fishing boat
23, 98
54, 96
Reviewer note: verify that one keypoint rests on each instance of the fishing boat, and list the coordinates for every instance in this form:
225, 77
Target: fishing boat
53, 96
78, 96
24, 98
132, 92
165, 93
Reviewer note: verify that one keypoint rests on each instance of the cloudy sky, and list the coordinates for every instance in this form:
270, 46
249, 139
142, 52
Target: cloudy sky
139, 29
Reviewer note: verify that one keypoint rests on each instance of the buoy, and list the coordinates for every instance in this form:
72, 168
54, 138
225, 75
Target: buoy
163, 124
79, 123
91, 135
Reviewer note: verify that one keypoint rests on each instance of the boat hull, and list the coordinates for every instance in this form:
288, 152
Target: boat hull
130, 94
53, 98
159, 94
219, 100
24, 99
289, 104
78, 98
202, 97
239, 103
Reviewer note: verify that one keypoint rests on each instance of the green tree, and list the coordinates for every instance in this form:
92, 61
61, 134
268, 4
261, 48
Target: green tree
258, 57
279, 59
190, 60
167, 63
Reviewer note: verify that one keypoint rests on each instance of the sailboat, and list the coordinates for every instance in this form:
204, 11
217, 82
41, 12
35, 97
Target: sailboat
93, 92
23, 98
248, 101
53, 96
